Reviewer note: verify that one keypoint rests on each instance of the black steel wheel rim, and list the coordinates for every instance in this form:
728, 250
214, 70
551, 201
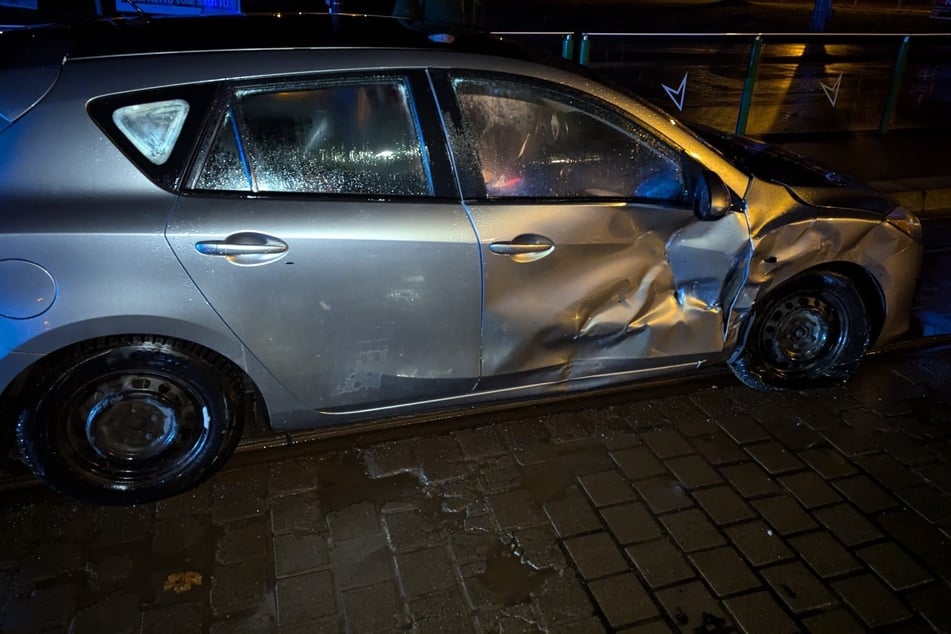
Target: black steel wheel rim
132, 429
803, 332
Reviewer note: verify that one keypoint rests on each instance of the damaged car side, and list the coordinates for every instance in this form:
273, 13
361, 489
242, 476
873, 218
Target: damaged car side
825, 274
349, 219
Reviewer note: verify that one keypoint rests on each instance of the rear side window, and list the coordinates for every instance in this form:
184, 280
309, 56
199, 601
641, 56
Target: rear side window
333, 138
153, 128
224, 168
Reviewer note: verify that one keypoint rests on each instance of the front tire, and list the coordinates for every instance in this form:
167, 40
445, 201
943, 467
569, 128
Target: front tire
810, 332
130, 420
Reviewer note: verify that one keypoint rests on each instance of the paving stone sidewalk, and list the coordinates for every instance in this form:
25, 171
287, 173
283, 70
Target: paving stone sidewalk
700, 507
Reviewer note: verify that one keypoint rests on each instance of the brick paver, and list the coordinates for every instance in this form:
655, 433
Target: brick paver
706, 508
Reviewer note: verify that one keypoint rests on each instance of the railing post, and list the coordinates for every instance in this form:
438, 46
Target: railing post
897, 73
568, 46
749, 84
584, 49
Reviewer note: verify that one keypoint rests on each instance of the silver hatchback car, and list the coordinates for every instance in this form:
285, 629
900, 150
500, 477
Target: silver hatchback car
345, 218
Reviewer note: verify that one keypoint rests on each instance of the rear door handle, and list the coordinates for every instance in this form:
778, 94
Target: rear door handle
527, 247
240, 244
245, 248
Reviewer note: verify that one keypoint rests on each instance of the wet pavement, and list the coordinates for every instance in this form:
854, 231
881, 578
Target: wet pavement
695, 506
931, 313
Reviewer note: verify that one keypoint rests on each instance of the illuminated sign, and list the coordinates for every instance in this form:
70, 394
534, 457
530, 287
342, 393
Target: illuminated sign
19, 4
180, 7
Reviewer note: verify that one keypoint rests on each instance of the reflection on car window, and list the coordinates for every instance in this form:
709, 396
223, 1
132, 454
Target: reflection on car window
335, 139
531, 142
224, 168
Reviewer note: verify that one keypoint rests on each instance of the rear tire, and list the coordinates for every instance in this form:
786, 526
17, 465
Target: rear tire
810, 332
130, 420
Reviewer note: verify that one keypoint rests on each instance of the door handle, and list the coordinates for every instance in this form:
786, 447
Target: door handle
246, 248
527, 247
513, 248
232, 246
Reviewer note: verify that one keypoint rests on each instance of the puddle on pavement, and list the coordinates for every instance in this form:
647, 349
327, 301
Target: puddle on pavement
547, 481
510, 577
343, 481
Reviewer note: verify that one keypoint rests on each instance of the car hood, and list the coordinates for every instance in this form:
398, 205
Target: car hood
808, 181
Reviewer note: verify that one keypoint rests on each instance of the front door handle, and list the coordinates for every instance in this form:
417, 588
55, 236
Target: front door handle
527, 247
246, 248
513, 248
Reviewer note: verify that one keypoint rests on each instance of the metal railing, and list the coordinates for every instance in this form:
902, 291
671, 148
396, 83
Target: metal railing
775, 83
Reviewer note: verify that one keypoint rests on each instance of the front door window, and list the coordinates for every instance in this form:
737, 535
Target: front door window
530, 142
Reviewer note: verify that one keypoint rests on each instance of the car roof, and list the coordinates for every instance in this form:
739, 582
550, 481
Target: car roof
52, 44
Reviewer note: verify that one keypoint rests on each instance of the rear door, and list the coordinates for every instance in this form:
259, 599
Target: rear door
323, 224
594, 261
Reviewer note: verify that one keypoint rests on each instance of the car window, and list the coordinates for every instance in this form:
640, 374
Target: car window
157, 129
534, 142
340, 138
153, 128
225, 168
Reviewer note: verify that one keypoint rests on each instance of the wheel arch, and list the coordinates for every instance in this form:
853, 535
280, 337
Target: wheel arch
131, 418
868, 288
91, 335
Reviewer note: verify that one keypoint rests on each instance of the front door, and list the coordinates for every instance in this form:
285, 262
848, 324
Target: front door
593, 259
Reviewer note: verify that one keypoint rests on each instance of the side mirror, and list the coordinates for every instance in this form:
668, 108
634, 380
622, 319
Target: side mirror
712, 199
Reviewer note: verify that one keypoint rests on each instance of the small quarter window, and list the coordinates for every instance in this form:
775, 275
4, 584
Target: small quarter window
153, 128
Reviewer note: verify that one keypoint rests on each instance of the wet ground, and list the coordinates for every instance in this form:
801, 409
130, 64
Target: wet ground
932, 309
693, 505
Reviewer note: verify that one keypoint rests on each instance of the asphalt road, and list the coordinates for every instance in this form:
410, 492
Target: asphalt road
805, 84
857, 71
